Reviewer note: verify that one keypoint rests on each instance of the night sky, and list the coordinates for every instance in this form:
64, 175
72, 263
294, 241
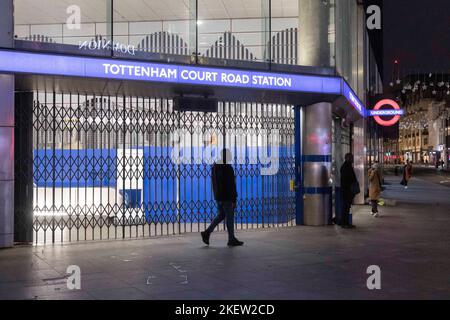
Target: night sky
417, 32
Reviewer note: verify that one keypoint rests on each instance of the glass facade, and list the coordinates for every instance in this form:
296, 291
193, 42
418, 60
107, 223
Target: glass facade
193, 31
162, 29
60, 22
238, 31
92, 151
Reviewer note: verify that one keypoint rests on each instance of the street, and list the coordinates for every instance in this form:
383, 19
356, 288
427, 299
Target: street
409, 243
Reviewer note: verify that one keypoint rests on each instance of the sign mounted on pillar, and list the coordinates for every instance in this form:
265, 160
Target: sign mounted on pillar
395, 112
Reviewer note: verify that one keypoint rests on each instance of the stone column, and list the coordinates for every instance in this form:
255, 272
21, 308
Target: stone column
314, 50
359, 152
6, 132
314, 20
317, 149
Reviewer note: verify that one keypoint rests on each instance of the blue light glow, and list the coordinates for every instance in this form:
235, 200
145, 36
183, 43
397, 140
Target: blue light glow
64, 65
353, 99
374, 113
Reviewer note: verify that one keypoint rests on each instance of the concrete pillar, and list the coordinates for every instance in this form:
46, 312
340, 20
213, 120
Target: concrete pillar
23, 180
6, 132
314, 20
360, 153
6, 160
314, 50
317, 149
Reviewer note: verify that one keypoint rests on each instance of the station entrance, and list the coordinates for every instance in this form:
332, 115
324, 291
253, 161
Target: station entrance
111, 167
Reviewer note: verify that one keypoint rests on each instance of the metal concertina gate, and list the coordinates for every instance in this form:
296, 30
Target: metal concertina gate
112, 167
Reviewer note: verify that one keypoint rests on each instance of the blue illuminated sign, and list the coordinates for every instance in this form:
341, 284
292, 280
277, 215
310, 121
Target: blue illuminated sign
352, 97
374, 113
47, 64
128, 70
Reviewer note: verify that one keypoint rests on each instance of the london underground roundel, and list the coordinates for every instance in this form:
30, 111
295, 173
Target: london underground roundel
395, 111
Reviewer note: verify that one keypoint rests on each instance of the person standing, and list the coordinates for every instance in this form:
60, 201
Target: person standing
374, 189
225, 194
350, 188
407, 174
380, 170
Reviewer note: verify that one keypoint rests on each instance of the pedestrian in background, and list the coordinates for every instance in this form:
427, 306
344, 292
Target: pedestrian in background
350, 188
407, 174
374, 188
225, 194
380, 170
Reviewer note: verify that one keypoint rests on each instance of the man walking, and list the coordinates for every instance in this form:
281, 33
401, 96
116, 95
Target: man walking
350, 188
225, 194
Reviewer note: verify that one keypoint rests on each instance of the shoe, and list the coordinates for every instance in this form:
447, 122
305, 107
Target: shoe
235, 243
348, 226
376, 215
406, 187
205, 237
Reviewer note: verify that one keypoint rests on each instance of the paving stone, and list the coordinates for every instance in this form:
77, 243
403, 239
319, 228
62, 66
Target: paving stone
409, 243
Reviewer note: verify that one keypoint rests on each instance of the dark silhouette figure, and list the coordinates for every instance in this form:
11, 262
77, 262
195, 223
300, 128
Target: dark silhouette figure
225, 194
407, 174
350, 188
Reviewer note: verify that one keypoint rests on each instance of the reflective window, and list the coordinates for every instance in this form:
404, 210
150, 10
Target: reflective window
284, 32
162, 27
199, 31
74, 22
347, 26
233, 30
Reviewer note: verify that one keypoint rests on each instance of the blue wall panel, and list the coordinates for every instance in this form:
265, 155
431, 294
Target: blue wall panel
72, 168
161, 200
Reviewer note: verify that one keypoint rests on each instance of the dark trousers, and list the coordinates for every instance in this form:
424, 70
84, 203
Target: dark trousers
374, 204
226, 212
346, 206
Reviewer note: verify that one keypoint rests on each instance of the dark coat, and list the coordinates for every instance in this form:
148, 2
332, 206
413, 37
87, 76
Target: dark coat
407, 172
224, 183
348, 177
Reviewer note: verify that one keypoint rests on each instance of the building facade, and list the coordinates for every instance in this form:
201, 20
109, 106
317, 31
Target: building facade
414, 134
423, 130
115, 111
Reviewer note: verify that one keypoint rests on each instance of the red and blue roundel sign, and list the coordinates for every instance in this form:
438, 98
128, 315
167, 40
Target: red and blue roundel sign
395, 111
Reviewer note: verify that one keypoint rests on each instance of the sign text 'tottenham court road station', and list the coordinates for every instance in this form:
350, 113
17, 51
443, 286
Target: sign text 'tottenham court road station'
223, 77
219, 77
107, 68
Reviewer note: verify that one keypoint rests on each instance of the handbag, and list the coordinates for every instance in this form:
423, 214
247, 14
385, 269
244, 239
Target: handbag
355, 188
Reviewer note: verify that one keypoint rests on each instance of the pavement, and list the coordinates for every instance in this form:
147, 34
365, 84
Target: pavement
427, 173
409, 243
